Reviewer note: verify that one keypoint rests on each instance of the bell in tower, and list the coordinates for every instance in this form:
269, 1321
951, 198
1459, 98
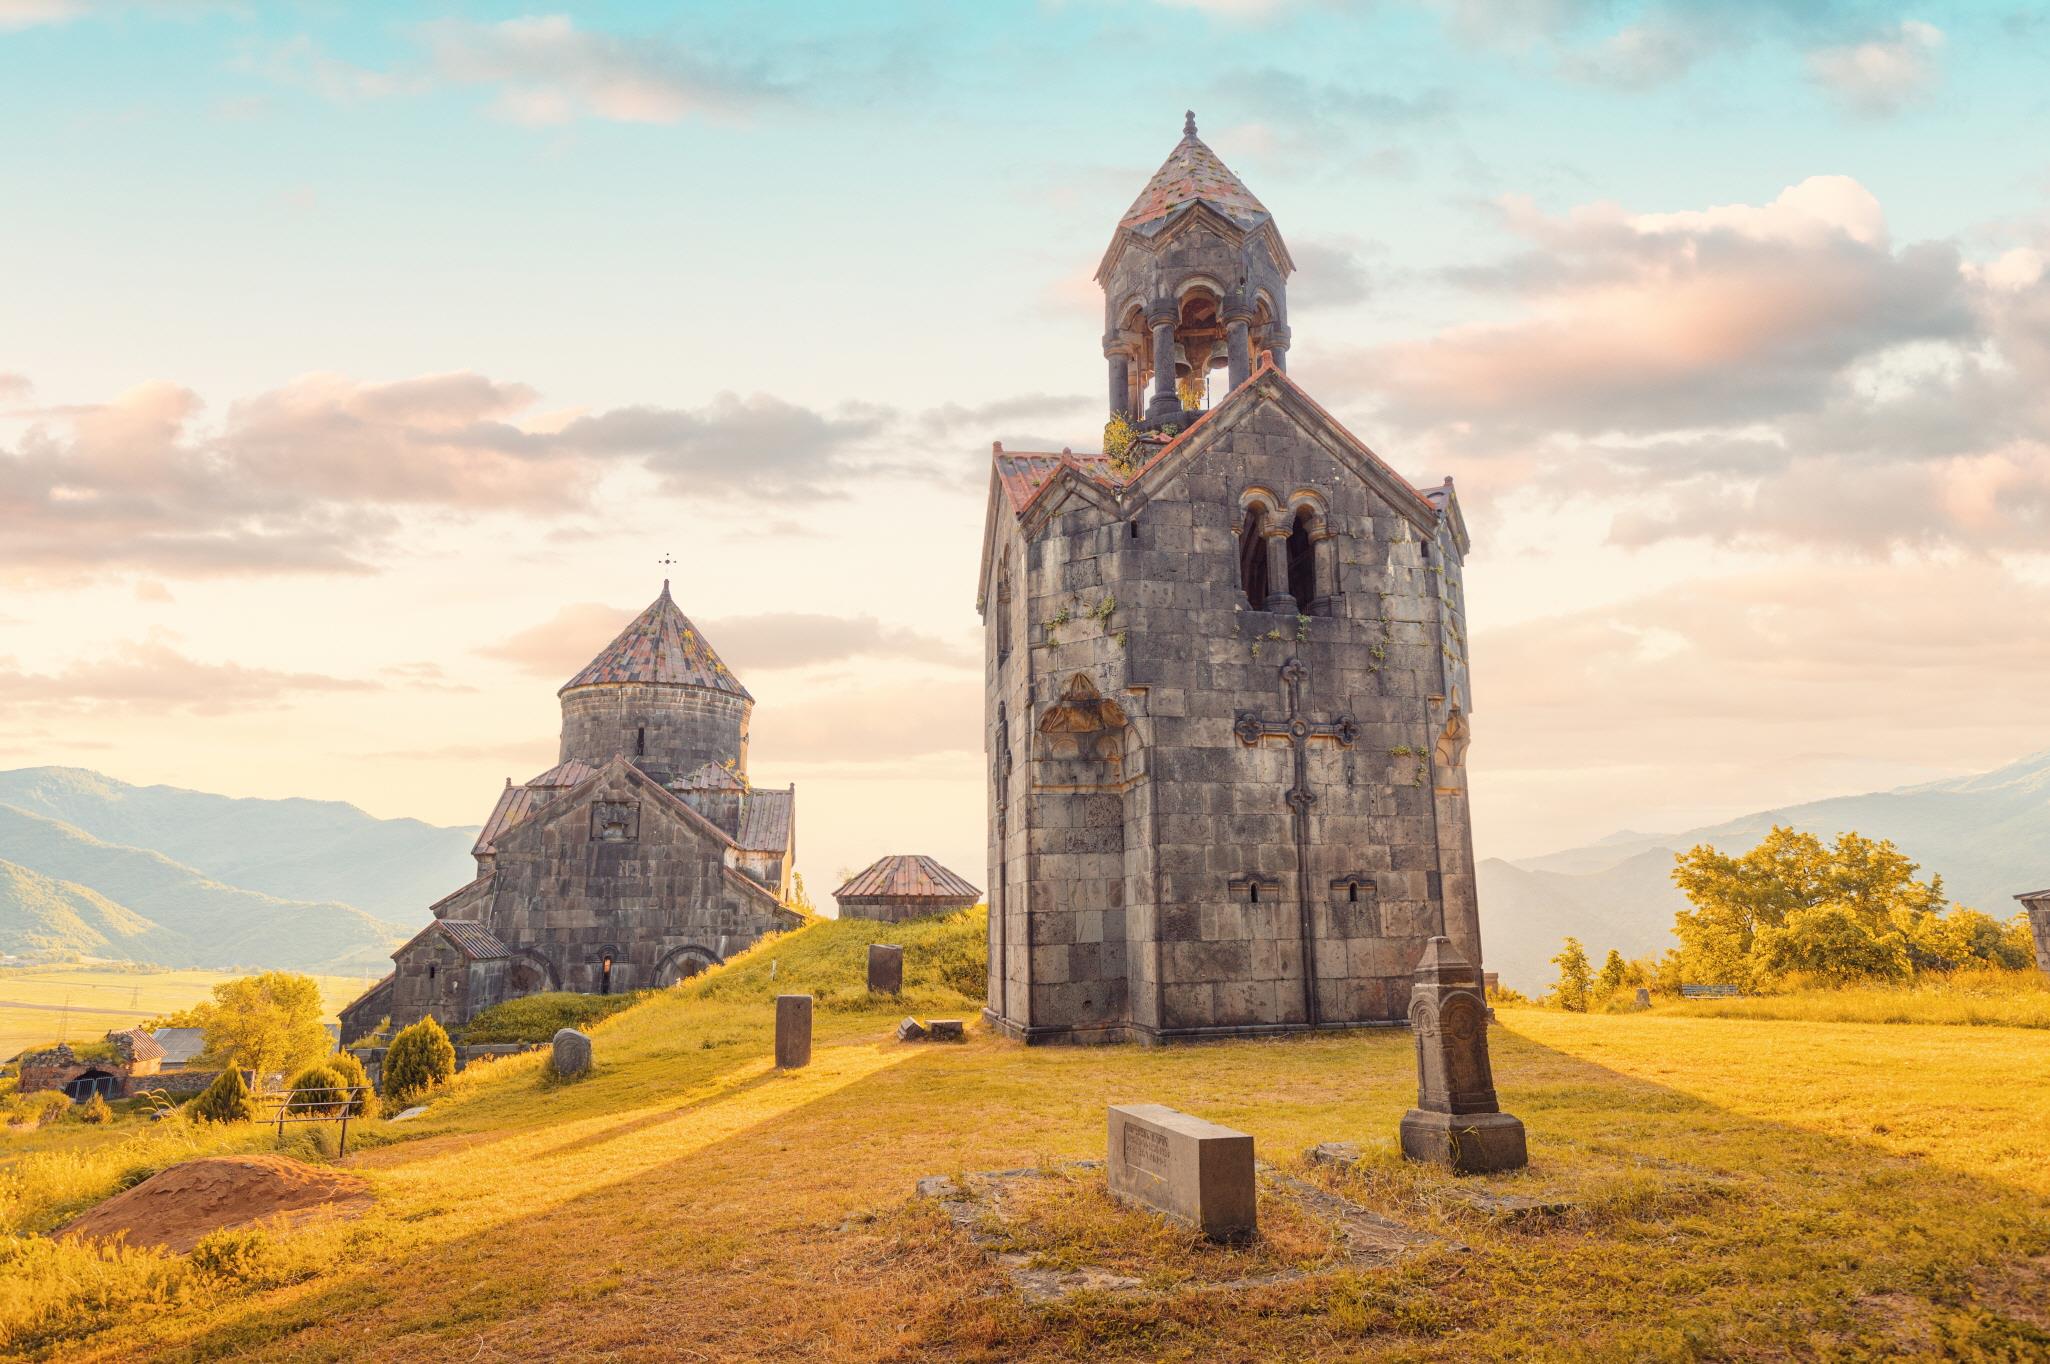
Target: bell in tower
1195, 280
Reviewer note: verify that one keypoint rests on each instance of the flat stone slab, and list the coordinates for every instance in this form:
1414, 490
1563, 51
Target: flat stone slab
793, 1031
980, 1207
910, 1030
885, 969
1197, 1172
415, 1111
946, 1029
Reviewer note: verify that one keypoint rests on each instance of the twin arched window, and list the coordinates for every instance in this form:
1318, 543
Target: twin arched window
1285, 555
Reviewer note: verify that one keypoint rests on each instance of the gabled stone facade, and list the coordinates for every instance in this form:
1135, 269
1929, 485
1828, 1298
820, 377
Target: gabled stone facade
1228, 707
642, 857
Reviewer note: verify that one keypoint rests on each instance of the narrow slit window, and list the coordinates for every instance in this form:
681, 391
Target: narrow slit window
1302, 563
1253, 893
1352, 892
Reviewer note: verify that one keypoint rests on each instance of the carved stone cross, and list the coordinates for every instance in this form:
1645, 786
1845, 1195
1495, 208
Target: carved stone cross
1343, 730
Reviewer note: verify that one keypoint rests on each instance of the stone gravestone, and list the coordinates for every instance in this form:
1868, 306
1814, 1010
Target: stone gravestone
1643, 998
793, 1031
1196, 1172
946, 1029
572, 1053
910, 1030
1457, 1120
885, 969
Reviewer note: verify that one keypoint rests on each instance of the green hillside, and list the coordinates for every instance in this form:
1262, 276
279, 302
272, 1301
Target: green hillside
43, 916
218, 925
316, 850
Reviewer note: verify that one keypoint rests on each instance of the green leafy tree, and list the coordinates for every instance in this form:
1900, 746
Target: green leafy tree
1832, 943
420, 1058
1576, 977
267, 1023
317, 1090
227, 1099
1615, 975
349, 1067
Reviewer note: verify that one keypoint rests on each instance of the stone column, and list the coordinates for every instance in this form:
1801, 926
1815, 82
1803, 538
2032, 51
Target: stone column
1120, 384
1457, 1120
2038, 907
1277, 341
1238, 342
1166, 405
1279, 598
1324, 564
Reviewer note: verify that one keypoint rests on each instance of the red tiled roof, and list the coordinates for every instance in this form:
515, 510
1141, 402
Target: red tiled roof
141, 1046
572, 773
906, 876
661, 645
1191, 173
765, 821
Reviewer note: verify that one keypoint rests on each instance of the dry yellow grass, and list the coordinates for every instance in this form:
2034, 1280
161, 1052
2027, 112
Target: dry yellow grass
1740, 1189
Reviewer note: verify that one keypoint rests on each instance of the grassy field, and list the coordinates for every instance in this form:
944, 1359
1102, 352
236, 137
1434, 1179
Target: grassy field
80, 1003
2001, 999
1736, 1188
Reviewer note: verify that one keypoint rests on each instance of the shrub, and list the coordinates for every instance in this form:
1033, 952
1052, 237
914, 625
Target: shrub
317, 1090
96, 1110
420, 1058
238, 1256
537, 1018
350, 1069
33, 1110
227, 1099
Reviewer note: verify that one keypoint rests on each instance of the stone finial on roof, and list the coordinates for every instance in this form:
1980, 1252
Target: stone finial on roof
1188, 123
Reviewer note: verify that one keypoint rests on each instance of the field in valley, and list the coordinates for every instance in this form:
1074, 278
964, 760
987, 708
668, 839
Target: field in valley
1727, 1188
83, 1003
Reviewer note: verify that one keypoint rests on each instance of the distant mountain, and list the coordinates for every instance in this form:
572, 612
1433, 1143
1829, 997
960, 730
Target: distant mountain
69, 885
1988, 836
294, 849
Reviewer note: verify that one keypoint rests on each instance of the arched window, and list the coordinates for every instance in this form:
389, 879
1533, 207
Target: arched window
1253, 556
1004, 614
1302, 561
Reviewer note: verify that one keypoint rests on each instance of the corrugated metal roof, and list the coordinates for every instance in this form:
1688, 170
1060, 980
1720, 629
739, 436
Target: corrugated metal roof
765, 821
906, 876
180, 1044
660, 645
713, 777
473, 940
515, 803
1192, 172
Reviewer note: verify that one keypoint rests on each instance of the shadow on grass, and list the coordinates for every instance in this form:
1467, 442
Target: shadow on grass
1702, 1231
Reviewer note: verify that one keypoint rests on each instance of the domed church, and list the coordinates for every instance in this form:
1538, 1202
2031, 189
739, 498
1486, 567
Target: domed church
644, 855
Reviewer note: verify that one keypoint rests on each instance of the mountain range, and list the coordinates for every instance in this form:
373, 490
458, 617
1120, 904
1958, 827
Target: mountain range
95, 867
1987, 836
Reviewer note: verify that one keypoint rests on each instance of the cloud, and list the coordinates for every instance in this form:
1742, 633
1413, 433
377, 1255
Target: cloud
1329, 274
869, 725
776, 640
151, 675
17, 14
322, 473
545, 70
1881, 74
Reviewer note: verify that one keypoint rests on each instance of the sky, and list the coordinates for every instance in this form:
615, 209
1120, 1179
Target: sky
360, 365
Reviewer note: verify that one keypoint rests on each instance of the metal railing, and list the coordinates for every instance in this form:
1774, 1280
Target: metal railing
322, 1104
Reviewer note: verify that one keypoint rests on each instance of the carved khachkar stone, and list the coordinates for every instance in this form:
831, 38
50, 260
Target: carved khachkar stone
572, 1053
793, 1031
1196, 1172
885, 969
1457, 1120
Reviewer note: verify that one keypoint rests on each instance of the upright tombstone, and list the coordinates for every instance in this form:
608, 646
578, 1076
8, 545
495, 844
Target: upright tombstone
885, 969
571, 1054
1456, 1121
793, 1031
2037, 904
1643, 997
1196, 1172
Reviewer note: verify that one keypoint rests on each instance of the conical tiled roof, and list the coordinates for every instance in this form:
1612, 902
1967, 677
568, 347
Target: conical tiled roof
908, 875
1192, 172
661, 645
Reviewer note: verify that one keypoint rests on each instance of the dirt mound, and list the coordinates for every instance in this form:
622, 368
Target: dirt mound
174, 1208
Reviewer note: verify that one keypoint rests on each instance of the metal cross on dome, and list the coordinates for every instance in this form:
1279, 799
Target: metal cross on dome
667, 561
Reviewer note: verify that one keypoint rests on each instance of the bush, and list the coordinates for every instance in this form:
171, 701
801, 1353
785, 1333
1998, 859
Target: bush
350, 1069
317, 1091
537, 1018
420, 1058
227, 1099
96, 1110
33, 1110
244, 1256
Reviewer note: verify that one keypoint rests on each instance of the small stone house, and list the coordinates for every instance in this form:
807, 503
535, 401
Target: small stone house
127, 1065
904, 886
2037, 903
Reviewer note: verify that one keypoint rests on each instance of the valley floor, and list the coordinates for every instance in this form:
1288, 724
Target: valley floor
1739, 1189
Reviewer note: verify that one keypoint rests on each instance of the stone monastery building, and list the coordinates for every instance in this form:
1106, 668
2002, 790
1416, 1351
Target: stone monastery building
1227, 694
643, 856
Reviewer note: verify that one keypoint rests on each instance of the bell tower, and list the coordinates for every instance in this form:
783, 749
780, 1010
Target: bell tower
1195, 280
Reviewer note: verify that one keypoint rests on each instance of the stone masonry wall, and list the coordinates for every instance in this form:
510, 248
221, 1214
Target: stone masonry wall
687, 727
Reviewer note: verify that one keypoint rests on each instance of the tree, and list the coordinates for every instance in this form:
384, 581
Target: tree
349, 1067
1832, 943
1575, 977
267, 1023
800, 899
420, 1058
227, 1099
1614, 976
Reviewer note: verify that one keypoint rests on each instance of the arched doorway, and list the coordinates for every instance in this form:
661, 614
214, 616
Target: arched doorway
94, 1081
682, 963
